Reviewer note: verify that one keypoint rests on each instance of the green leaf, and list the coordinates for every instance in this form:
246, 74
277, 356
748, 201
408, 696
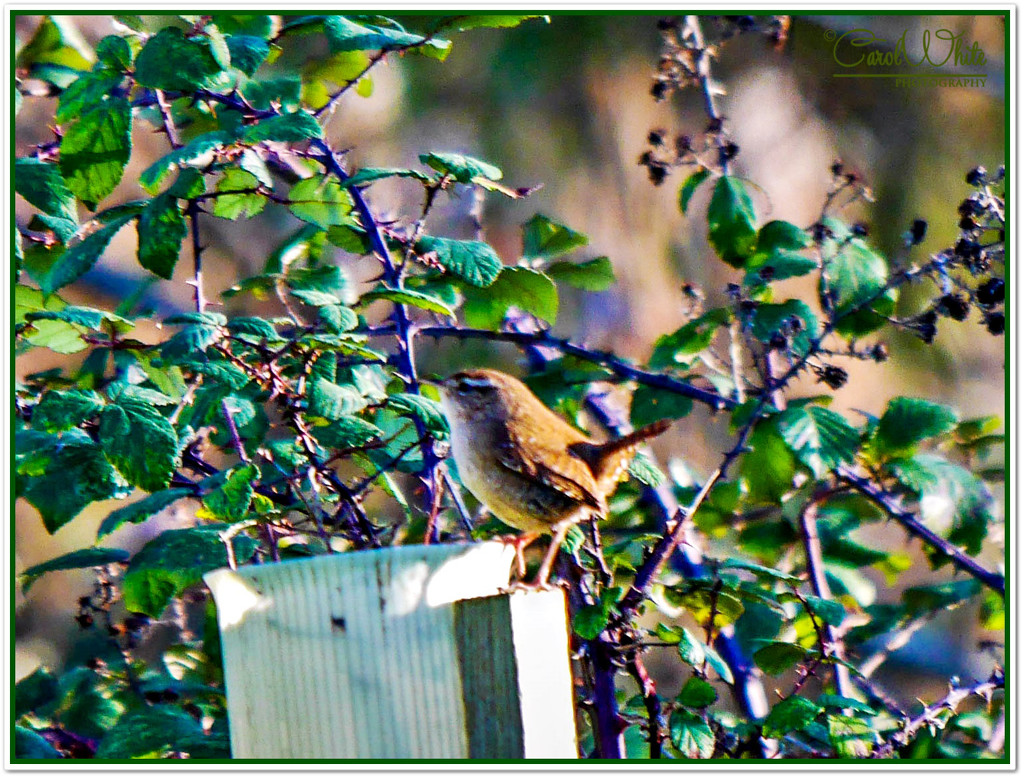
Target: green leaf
161, 230
690, 185
780, 236
463, 23
697, 693
29, 744
772, 318
854, 278
175, 560
323, 76
75, 560
829, 611
731, 220
777, 266
838, 701
820, 438
545, 239
35, 690
529, 290
346, 35
368, 175
645, 470
63, 229
851, 736
409, 297
59, 411
651, 404
908, 421
777, 658
248, 52
769, 467
43, 185
691, 650
56, 41
137, 512
149, 732
171, 61
139, 441
471, 260
426, 410
95, 149
338, 319
246, 204
348, 432
79, 258
590, 620
259, 329
320, 200
790, 715
681, 347
88, 90
715, 660
461, 167
286, 128
691, 735
56, 335
114, 52
333, 401
594, 275
230, 501
930, 598
199, 153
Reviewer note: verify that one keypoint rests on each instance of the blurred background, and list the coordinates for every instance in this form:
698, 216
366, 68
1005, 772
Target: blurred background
568, 105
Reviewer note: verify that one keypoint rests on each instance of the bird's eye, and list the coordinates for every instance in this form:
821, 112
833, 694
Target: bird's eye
471, 385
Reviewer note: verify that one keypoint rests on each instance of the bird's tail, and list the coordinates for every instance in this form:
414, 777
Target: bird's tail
609, 460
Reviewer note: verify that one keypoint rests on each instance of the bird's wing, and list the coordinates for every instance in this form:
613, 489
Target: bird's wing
570, 476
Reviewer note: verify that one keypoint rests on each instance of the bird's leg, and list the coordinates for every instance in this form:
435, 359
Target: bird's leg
519, 542
560, 531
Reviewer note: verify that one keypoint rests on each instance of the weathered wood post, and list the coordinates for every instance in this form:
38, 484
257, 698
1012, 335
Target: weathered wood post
398, 653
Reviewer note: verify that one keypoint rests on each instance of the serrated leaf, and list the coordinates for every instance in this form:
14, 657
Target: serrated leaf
247, 52
829, 611
731, 221
545, 239
781, 235
691, 650
63, 229
34, 691
80, 258
690, 186
161, 229
114, 52
461, 167
645, 470
75, 560
334, 401
426, 410
175, 560
908, 421
149, 732
346, 35
594, 275
697, 693
854, 277
691, 735
776, 658
43, 185
681, 347
285, 128
258, 328
244, 203
95, 149
171, 61
368, 175
471, 260
139, 441
772, 318
790, 715
650, 404
409, 297
88, 90
139, 511
590, 620
230, 501
820, 438
59, 411
463, 23
768, 468
58, 336
320, 200
526, 289
348, 432
777, 266
198, 153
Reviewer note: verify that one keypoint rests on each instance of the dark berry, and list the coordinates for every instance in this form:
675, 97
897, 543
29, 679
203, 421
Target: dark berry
852, 176
716, 124
659, 90
657, 171
966, 248
860, 229
153, 697
967, 223
976, 177
656, 137
954, 306
748, 306
646, 158
730, 150
732, 290
84, 620
917, 231
880, 352
835, 377
991, 292
995, 322
665, 24
796, 324
820, 232
766, 273
970, 207
684, 144
777, 341
837, 168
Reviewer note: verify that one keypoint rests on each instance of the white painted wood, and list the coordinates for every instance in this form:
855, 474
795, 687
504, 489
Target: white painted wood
388, 654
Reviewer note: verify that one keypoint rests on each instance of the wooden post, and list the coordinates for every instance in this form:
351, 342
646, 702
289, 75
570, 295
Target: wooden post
398, 653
